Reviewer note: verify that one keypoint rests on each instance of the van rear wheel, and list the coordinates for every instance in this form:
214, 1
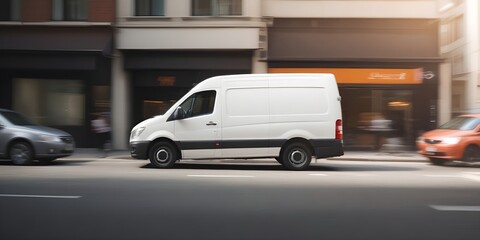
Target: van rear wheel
296, 156
163, 155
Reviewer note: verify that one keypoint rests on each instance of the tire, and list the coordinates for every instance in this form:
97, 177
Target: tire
296, 156
471, 154
437, 161
163, 155
21, 153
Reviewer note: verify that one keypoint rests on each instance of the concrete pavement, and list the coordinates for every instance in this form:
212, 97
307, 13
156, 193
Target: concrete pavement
398, 156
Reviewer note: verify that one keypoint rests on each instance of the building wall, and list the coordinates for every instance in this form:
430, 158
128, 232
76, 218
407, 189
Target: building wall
459, 35
101, 10
64, 65
36, 10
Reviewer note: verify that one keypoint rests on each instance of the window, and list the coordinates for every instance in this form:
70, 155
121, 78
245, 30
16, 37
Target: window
452, 30
50, 101
10, 10
149, 8
201, 103
216, 7
70, 10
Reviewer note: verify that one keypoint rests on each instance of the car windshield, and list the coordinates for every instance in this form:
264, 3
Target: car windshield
461, 123
17, 119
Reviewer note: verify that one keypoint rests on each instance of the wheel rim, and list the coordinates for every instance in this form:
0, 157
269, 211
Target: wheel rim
297, 156
20, 153
162, 156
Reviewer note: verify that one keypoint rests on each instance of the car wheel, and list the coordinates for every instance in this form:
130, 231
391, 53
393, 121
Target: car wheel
471, 154
437, 161
296, 156
163, 155
21, 153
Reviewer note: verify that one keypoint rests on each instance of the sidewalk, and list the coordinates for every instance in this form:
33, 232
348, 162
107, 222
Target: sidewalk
401, 156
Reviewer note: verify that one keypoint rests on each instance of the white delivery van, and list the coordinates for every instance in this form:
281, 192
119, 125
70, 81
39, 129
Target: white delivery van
289, 117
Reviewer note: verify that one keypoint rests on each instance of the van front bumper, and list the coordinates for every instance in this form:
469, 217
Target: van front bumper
139, 150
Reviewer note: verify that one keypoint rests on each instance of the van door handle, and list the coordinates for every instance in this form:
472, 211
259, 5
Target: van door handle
211, 123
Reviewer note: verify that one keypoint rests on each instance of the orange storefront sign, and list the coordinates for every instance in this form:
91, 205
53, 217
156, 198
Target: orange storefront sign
363, 75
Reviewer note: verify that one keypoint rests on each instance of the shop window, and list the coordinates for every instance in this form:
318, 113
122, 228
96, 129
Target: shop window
149, 8
70, 10
216, 7
374, 117
101, 99
153, 108
50, 102
10, 10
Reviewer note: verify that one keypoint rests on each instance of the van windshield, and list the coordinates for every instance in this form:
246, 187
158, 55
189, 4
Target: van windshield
17, 119
461, 123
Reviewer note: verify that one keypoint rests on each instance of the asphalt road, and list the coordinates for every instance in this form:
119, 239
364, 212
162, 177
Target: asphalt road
127, 199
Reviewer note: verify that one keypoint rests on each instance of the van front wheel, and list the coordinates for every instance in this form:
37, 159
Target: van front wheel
163, 155
296, 156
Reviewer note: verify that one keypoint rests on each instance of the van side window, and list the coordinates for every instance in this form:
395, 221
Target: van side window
201, 103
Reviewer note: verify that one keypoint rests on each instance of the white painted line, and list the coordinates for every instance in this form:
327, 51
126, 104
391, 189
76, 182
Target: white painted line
39, 196
456, 208
318, 174
471, 177
221, 176
443, 176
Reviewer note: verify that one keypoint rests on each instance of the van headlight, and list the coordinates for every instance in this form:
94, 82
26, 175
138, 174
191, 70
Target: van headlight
136, 132
451, 140
49, 138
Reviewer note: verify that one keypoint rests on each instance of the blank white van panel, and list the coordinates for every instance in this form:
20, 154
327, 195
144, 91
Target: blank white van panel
251, 102
298, 101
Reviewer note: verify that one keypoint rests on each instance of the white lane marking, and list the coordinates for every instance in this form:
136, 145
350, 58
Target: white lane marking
38, 196
318, 174
456, 208
442, 176
221, 176
475, 176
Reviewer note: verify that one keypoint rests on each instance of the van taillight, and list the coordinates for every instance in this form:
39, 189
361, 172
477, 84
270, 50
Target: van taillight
338, 129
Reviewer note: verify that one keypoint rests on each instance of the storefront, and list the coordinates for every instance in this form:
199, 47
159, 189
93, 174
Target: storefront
380, 106
386, 69
160, 78
56, 79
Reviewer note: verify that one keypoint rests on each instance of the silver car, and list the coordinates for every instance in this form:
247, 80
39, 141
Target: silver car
22, 141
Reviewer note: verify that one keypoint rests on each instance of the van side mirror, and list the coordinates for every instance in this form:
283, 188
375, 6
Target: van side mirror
178, 114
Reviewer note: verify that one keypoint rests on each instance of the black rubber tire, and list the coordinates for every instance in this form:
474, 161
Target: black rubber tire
296, 156
21, 153
471, 154
163, 155
437, 161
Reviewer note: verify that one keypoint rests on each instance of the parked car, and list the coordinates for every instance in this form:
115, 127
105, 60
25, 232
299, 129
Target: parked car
456, 140
23, 141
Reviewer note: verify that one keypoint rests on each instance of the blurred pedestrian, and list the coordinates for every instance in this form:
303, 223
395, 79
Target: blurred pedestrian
102, 129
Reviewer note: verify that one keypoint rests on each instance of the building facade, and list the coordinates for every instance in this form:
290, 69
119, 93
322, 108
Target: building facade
55, 62
167, 46
460, 46
135, 58
385, 58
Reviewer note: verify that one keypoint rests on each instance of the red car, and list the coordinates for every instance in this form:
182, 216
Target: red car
456, 140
